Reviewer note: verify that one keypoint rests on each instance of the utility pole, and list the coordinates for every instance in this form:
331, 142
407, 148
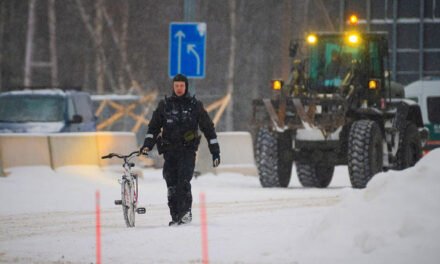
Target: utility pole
189, 10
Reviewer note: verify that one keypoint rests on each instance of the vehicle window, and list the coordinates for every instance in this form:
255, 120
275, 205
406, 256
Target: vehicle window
375, 66
331, 60
83, 106
434, 109
415, 99
31, 108
70, 108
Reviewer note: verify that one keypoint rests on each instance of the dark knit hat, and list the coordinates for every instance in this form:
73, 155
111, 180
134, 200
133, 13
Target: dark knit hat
181, 78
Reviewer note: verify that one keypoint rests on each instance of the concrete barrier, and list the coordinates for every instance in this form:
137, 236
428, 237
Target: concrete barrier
116, 142
2, 173
237, 154
69, 149
24, 150
63, 149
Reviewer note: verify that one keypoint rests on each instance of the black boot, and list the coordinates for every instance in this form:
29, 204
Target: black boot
174, 219
186, 218
173, 223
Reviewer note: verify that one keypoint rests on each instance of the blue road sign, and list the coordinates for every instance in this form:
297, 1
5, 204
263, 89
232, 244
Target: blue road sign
187, 49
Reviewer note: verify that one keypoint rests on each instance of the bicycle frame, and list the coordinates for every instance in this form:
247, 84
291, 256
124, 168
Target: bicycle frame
129, 188
130, 178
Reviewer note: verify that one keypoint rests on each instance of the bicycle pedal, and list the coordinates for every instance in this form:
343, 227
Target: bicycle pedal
118, 202
140, 210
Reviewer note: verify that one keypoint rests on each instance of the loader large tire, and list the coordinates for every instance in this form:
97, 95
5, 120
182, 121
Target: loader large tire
318, 176
274, 158
410, 147
365, 154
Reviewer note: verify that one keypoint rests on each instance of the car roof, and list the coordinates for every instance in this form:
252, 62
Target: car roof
50, 92
427, 87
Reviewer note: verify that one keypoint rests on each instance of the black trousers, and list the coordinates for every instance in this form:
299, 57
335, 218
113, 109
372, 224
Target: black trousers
178, 171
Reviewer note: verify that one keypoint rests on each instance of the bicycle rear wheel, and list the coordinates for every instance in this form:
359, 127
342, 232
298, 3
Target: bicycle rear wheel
128, 203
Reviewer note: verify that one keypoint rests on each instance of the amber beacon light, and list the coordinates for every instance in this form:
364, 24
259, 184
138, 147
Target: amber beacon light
277, 84
353, 20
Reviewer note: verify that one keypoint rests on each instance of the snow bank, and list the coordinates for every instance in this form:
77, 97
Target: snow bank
40, 189
394, 220
395, 217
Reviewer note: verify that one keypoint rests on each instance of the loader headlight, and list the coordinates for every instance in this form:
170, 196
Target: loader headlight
312, 39
277, 84
353, 38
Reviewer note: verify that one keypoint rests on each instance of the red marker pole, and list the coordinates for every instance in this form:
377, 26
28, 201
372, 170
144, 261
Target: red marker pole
204, 227
98, 229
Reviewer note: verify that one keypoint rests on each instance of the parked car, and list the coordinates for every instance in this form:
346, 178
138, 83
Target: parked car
427, 93
46, 111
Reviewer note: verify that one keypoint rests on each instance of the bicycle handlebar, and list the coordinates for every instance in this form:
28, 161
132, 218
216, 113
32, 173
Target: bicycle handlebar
108, 156
111, 155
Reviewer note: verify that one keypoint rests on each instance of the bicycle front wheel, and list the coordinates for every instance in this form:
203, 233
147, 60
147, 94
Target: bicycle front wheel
128, 203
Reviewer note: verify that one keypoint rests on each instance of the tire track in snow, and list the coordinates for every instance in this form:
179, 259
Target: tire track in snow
19, 226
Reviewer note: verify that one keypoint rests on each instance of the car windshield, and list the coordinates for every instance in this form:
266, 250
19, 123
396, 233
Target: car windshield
31, 108
331, 60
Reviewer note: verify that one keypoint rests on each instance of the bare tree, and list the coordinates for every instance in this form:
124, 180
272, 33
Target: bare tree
121, 43
99, 48
99, 59
285, 39
326, 15
52, 42
230, 78
29, 43
2, 31
124, 39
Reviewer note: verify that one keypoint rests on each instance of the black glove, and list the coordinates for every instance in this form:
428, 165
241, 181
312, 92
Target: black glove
214, 147
147, 146
215, 159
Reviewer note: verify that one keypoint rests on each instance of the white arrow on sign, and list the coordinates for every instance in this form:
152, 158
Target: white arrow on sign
190, 48
179, 35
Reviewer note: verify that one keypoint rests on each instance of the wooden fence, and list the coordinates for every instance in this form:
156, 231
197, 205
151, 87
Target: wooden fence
146, 103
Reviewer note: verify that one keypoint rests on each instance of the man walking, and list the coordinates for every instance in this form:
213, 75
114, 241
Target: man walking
174, 128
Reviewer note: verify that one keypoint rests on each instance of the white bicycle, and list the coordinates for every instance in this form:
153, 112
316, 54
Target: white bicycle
129, 188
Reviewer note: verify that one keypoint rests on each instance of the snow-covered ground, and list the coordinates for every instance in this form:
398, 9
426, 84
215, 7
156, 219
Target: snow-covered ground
49, 217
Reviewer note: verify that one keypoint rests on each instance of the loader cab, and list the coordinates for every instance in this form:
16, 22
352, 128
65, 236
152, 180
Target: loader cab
337, 60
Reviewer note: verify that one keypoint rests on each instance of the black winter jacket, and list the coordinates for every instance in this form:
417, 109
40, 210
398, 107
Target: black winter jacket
179, 119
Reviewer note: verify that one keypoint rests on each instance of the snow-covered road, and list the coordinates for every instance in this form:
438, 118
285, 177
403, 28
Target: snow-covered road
49, 217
